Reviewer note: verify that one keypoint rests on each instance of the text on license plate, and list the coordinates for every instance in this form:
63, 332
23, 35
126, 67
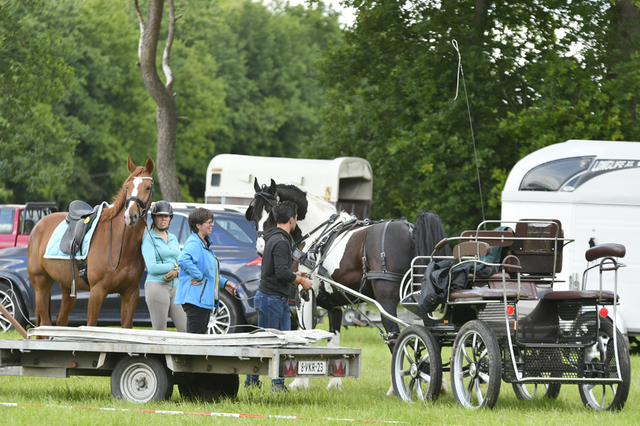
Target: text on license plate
312, 367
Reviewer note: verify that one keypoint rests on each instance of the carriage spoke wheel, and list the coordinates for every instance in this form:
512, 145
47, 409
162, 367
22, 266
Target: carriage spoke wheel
534, 391
141, 379
476, 366
416, 366
607, 396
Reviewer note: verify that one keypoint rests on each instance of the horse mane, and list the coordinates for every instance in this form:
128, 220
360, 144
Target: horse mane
297, 195
427, 233
109, 213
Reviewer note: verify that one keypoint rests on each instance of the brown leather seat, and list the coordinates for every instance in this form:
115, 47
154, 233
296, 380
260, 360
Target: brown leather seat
579, 295
485, 293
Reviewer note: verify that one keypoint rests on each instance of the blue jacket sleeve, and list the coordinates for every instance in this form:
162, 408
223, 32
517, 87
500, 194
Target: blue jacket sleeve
187, 260
154, 267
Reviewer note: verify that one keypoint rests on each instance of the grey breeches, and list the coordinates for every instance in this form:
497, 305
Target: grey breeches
159, 298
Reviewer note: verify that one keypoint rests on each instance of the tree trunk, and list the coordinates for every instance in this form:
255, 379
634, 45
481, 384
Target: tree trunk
166, 112
626, 40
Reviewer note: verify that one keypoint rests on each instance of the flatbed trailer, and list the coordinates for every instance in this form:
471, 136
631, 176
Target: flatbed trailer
144, 365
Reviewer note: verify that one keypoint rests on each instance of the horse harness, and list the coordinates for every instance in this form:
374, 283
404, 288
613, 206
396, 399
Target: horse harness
327, 238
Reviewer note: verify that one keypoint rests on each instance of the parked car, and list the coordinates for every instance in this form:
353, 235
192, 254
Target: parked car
233, 243
17, 221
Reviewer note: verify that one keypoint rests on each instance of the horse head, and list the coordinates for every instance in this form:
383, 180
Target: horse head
139, 190
260, 209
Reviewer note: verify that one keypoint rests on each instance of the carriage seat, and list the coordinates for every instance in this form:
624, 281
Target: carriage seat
607, 296
486, 293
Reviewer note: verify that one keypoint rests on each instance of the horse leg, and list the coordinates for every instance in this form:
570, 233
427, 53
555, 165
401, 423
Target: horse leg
42, 286
96, 297
129, 299
335, 322
66, 305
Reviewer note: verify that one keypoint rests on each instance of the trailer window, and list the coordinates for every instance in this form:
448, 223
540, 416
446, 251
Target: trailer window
552, 175
215, 179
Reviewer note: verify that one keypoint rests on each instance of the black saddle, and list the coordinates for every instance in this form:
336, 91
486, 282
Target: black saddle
80, 219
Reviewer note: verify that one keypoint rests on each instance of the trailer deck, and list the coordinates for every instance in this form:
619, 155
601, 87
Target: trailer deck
145, 364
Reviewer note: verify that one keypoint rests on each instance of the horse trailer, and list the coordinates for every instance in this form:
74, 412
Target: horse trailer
346, 182
593, 188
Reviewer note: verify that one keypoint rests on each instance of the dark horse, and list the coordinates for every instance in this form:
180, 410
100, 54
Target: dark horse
369, 257
114, 263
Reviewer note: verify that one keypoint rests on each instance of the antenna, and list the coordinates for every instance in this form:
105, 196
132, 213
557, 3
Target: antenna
454, 42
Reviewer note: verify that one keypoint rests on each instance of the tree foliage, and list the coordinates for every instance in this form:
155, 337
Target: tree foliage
536, 72
245, 83
36, 147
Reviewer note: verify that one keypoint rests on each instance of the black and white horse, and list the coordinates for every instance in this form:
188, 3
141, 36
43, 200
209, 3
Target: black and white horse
368, 257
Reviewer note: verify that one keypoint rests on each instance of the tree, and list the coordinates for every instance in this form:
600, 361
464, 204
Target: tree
167, 112
536, 72
36, 147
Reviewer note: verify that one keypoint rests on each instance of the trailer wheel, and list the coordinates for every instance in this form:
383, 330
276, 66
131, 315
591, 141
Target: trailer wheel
416, 365
209, 387
476, 366
141, 379
601, 396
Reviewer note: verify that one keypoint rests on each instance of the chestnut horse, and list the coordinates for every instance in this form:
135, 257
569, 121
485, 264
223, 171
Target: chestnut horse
114, 260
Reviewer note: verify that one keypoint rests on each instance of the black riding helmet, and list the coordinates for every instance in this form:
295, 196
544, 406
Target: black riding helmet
161, 208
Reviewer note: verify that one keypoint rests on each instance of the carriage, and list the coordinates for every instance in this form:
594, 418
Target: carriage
493, 301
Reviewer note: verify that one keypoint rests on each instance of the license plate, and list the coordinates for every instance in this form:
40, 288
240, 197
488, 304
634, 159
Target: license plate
312, 367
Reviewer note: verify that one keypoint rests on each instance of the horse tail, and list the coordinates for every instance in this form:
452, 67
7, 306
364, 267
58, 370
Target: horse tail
427, 233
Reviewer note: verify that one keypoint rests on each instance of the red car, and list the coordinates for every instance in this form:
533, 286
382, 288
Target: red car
17, 221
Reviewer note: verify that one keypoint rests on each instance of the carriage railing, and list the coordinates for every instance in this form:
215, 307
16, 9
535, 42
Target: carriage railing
420, 263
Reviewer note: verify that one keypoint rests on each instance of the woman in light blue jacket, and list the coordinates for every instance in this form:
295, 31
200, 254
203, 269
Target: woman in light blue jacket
160, 250
199, 279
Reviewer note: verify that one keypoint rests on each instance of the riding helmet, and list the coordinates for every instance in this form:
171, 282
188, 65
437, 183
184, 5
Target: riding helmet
161, 207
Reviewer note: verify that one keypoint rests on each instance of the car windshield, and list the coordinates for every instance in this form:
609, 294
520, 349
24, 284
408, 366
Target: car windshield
227, 230
6, 221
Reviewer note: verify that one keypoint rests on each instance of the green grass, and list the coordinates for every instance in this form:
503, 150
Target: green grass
47, 401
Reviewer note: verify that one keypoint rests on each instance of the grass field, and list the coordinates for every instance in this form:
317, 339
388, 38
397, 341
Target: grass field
46, 401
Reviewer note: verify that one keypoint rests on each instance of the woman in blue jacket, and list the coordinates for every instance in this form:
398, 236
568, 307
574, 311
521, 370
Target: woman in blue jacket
160, 250
200, 280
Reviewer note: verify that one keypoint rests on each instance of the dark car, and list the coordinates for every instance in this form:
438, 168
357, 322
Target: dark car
233, 243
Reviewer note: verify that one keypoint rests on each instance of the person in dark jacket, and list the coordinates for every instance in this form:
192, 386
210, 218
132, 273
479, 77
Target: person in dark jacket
199, 279
277, 280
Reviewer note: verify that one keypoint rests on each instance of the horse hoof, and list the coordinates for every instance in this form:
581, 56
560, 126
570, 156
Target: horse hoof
335, 384
299, 384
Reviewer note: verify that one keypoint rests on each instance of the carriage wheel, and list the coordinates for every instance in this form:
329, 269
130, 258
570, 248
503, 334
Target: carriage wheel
416, 366
476, 366
209, 387
534, 391
613, 396
141, 379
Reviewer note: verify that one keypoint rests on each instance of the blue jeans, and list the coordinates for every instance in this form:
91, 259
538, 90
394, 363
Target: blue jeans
273, 312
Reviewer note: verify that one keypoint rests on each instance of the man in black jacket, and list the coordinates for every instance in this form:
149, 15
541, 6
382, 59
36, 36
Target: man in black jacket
277, 281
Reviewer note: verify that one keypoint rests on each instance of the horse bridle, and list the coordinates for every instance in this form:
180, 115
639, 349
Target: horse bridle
142, 209
268, 197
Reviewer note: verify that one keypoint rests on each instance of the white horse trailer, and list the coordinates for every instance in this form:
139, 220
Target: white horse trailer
593, 188
346, 182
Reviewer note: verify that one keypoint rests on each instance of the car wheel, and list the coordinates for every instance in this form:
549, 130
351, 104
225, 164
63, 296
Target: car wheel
12, 303
228, 317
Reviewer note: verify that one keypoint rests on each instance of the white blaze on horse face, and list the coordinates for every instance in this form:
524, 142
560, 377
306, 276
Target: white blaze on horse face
260, 243
131, 214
